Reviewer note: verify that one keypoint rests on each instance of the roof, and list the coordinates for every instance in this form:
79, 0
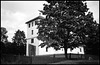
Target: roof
39, 17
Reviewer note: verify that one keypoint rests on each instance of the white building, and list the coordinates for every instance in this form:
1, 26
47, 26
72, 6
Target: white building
33, 43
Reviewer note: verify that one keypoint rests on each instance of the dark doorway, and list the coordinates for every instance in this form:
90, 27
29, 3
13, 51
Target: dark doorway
32, 50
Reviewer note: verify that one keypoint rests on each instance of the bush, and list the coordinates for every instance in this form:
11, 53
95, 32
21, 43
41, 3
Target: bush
13, 48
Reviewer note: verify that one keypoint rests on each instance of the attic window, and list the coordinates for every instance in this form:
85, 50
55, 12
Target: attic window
29, 25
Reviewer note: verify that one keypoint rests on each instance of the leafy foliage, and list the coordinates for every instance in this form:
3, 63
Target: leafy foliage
17, 47
19, 38
3, 39
3, 35
68, 24
93, 42
19, 43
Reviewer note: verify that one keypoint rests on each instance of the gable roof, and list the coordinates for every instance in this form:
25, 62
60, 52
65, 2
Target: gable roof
39, 17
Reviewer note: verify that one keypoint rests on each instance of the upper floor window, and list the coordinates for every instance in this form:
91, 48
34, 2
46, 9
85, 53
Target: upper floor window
32, 32
29, 25
35, 22
32, 40
32, 23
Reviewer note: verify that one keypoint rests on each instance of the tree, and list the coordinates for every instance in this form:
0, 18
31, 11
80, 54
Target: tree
67, 25
19, 42
3, 39
19, 38
3, 35
93, 42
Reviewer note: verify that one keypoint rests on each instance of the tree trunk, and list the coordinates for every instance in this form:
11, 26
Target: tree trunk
65, 49
66, 55
69, 55
66, 45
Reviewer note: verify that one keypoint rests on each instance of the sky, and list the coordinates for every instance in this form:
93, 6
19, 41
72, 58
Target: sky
14, 14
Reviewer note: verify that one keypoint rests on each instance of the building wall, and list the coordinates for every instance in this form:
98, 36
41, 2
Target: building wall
30, 36
29, 30
42, 51
34, 44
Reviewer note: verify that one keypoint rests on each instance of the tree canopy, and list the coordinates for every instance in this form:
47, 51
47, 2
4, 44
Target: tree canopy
3, 35
19, 38
68, 24
4, 39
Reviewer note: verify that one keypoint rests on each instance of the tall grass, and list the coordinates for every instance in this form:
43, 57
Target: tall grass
44, 59
15, 59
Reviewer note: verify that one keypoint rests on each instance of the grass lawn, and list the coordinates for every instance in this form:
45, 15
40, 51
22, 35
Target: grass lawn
44, 59
49, 59
78, 62
16, 59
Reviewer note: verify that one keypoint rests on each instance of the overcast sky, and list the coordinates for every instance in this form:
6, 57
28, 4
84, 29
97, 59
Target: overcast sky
14, 14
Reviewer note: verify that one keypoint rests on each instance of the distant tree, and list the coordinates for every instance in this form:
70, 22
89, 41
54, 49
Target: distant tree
19, 42
3, 35
68, 24
19, 38
3, 39
92, 46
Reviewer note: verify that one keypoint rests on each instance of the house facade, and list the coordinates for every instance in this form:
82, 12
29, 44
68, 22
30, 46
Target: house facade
33, 48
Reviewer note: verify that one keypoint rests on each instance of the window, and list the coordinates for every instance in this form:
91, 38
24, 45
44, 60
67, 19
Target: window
29, 25
32, 32
32, 23
35, 22
32, 40
80, 50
